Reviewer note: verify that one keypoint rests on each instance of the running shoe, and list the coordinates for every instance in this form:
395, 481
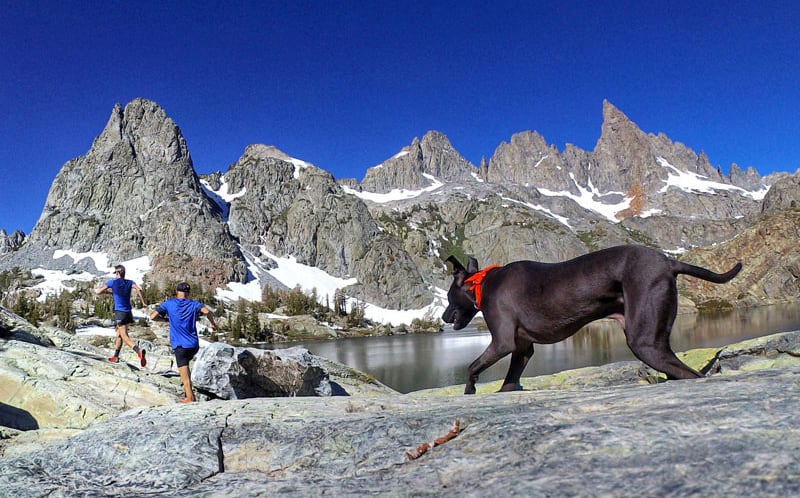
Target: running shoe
186, 400
142, 359
114, 359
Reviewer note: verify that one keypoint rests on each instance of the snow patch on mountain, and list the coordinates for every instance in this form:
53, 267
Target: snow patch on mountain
56, 281
221, 197
293, 274
587, 199
396, 194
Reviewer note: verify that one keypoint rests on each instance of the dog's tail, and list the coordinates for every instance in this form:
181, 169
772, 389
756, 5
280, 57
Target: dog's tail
679, 267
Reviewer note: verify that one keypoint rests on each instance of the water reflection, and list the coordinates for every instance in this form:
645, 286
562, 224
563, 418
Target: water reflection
411, 362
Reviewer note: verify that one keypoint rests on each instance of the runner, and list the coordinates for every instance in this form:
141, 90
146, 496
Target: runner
121, 288
182, 314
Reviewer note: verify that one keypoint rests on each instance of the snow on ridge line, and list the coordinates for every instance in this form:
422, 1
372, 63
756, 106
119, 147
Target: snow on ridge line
693, 183
540, 161
299, 164
395, 194
401, 154
686, 181
537, 207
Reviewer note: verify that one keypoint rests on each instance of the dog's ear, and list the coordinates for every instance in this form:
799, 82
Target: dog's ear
472, 266
457, 266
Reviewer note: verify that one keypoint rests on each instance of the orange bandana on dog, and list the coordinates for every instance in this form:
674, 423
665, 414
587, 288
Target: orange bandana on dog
476, 280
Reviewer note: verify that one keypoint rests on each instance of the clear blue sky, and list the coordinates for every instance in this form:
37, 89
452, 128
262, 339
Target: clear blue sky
345, 85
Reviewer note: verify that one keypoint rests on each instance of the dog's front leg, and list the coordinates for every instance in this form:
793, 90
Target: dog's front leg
484, 361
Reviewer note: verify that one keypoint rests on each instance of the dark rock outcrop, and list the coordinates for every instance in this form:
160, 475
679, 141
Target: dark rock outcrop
239, 373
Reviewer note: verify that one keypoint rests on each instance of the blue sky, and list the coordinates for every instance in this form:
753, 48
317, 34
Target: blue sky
345, 85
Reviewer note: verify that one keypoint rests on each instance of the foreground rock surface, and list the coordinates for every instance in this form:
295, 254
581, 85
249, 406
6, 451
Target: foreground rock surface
53, 383
725, 435
615, 430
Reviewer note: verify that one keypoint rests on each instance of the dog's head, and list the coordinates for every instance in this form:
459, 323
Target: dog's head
460, 301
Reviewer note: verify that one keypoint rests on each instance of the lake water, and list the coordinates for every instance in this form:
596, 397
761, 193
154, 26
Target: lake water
411, 362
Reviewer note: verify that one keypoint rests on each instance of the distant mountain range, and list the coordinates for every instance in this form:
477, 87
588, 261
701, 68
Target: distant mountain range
135, 194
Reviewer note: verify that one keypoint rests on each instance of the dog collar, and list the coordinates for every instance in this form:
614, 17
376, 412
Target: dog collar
476, 281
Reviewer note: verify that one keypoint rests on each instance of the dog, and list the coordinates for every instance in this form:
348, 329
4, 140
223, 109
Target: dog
527, 302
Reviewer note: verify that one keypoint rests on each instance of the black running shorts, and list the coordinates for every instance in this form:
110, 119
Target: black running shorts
123, 317
184, 355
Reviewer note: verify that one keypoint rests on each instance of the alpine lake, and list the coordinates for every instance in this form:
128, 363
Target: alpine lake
412, 362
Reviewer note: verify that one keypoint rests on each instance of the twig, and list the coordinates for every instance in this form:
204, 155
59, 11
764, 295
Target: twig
424, 447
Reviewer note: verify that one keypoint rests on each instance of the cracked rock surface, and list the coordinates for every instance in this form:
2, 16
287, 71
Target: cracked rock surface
725, 435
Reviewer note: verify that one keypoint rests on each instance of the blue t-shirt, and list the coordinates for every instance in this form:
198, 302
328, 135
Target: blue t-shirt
182, 314
121, 290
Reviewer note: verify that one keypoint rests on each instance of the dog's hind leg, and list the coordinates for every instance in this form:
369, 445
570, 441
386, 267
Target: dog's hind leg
648, 325
519, 360
661, 357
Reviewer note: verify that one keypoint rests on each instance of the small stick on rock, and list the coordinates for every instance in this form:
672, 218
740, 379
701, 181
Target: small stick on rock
424, 447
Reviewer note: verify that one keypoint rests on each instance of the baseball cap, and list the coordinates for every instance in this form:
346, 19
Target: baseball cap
182, 287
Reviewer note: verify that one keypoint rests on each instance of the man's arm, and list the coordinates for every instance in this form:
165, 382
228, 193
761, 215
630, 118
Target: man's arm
103, 290
207, 312
157, 317
141, 296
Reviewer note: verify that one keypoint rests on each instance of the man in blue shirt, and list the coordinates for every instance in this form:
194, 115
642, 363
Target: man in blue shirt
121, 288
182, 314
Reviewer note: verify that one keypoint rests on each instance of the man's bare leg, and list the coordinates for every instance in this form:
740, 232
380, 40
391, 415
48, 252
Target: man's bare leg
186, 379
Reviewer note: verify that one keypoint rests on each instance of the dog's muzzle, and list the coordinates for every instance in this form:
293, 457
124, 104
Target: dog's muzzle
447, 316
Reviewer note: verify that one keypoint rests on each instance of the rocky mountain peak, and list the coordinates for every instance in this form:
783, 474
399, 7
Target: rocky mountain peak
749, 179
124, 196
784, 194
638, 157
261, 151
415, 164
527, 160
9, 243
442, 160
615, 121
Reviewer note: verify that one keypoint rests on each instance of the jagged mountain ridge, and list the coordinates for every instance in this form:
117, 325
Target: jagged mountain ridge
532, 201
391, 230
285, 206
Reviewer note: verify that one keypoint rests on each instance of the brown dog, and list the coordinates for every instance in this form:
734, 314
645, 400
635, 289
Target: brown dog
527, 302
